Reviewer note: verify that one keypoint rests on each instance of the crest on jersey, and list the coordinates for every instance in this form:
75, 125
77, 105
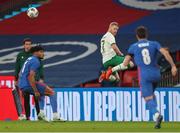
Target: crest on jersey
152, 4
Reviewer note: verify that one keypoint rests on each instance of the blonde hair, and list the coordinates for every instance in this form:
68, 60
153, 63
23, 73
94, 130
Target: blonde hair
114, 23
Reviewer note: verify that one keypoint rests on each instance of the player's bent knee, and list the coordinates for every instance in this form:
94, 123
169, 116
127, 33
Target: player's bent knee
49, 91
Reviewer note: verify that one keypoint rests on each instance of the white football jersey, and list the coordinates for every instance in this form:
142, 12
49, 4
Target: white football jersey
106, 50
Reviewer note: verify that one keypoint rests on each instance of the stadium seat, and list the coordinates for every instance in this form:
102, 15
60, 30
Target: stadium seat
92, 85
128, 78
178, 56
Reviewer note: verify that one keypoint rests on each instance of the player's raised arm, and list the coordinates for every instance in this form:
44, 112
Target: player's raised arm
168, 57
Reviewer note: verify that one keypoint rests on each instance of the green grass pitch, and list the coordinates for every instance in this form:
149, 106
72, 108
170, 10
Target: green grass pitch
42, 126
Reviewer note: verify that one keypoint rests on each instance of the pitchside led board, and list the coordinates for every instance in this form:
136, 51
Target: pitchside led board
112, 104
107, 104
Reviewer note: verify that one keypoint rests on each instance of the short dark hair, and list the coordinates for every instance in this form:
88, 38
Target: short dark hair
142, 32
36, 48
27, 40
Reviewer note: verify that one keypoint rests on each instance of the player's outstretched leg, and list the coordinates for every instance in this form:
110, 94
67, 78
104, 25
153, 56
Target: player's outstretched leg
118, 68
152, 106
102, 76
112, 78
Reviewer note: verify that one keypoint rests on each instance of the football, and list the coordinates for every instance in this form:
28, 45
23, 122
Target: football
32, 12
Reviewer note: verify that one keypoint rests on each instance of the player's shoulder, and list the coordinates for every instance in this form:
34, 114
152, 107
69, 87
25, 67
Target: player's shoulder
33, 59
153, 42
20, 53
108, 35
132, 48
133, 45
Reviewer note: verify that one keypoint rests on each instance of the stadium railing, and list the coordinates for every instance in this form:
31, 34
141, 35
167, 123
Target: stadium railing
167, 80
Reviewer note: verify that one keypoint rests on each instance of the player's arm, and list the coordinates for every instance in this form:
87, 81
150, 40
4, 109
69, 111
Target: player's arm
32, 82
116, 49
129, 56
41, 72
127, 60
168, 57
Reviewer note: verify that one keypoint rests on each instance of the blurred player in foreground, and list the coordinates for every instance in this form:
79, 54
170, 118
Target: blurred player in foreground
111, 55
145, 56
27, 82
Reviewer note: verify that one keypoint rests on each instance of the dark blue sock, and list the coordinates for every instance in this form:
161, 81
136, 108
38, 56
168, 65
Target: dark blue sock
152, 105
155, 100
41, 103
53, 103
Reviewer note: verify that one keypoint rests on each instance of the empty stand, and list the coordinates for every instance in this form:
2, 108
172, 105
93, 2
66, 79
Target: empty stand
69, 17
